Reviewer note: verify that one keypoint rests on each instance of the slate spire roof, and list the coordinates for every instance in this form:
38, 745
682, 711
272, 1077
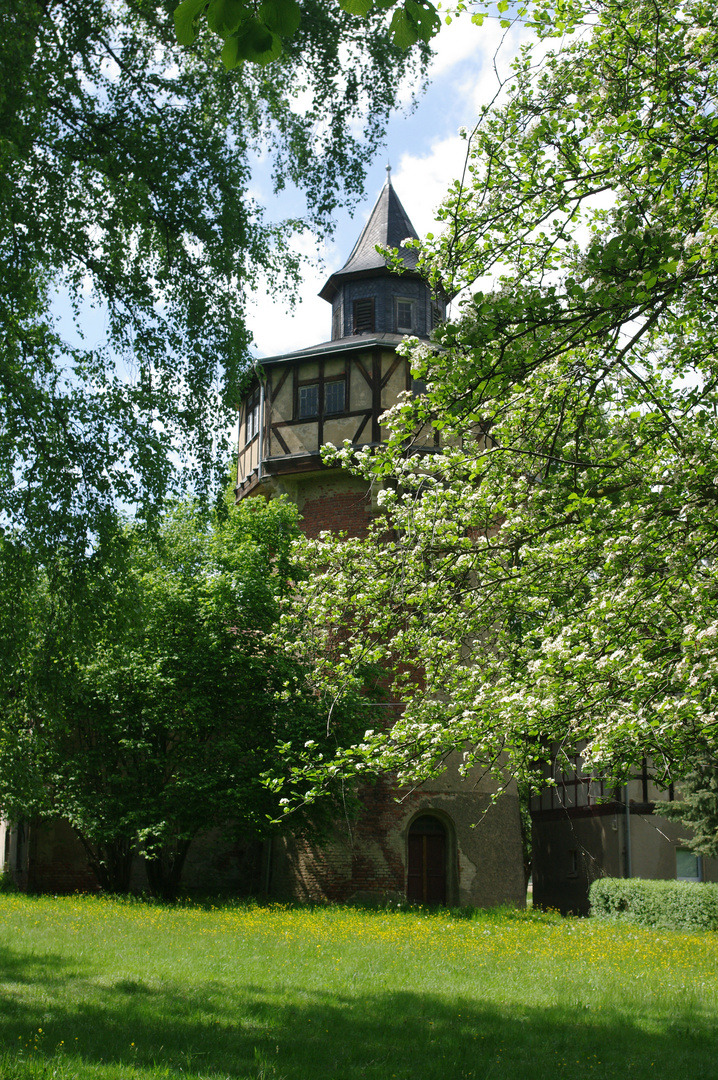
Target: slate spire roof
388, 226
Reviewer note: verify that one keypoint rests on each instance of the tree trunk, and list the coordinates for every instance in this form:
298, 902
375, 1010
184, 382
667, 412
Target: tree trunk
164, 869
111, 862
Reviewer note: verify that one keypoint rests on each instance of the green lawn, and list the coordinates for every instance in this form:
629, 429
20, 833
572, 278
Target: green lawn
94, 988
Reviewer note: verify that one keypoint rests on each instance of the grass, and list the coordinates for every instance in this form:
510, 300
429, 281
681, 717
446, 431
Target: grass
99, 989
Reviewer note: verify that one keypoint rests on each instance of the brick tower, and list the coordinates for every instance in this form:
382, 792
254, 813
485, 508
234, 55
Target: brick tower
423, 847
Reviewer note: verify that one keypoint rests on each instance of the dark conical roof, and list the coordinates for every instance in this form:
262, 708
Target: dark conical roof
387, 227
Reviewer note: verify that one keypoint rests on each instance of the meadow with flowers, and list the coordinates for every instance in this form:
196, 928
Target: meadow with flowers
103, 989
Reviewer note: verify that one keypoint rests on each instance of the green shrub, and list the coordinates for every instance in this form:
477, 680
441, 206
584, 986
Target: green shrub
669, 905
7, 885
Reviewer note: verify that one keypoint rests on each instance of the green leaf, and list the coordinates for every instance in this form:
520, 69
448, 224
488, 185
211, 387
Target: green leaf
224, 16
356, 7
403, 29
257, 43
186, 15
230, 52
281, 16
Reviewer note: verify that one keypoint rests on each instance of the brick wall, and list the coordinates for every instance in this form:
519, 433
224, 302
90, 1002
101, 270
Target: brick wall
337, 512
55, 860
367, 858
363, 858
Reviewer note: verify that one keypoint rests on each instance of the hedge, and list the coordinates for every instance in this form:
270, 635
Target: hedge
668, 905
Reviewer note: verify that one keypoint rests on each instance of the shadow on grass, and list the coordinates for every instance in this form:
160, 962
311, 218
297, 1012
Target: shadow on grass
240, 1031
28, 967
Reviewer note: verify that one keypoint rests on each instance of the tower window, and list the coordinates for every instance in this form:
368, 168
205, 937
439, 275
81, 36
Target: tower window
334, 396
251, 423
309, 400
404, 316
324, 391
364, 316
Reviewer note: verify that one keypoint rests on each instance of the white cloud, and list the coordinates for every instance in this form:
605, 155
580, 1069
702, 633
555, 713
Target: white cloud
461, 41
279, 328
421, 180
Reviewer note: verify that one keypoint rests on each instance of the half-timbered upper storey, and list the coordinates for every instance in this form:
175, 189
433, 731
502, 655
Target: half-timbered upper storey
338, 390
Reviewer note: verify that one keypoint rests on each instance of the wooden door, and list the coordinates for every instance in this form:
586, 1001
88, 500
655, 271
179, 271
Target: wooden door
426, 881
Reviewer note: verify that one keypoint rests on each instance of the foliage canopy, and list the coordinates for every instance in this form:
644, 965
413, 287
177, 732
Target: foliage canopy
258, 33
152, 706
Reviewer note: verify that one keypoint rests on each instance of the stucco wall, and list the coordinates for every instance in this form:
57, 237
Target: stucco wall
572, 850
367, 857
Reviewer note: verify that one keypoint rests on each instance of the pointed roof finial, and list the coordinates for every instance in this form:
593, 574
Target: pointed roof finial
388, 172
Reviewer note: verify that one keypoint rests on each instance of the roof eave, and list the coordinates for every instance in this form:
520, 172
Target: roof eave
341, 276
338, 345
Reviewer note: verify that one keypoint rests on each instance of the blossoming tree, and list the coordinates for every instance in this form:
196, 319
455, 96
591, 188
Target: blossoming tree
549, 574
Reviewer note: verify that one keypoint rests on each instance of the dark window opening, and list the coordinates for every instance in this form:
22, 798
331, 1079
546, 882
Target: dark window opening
309, 400
364, 316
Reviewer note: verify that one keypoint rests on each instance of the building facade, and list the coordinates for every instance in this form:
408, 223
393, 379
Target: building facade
584, 829
448, 841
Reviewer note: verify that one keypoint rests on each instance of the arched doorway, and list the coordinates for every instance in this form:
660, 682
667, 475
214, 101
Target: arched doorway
426, 881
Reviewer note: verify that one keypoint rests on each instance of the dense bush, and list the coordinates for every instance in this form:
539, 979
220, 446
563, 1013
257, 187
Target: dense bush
670, 905
7, 885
